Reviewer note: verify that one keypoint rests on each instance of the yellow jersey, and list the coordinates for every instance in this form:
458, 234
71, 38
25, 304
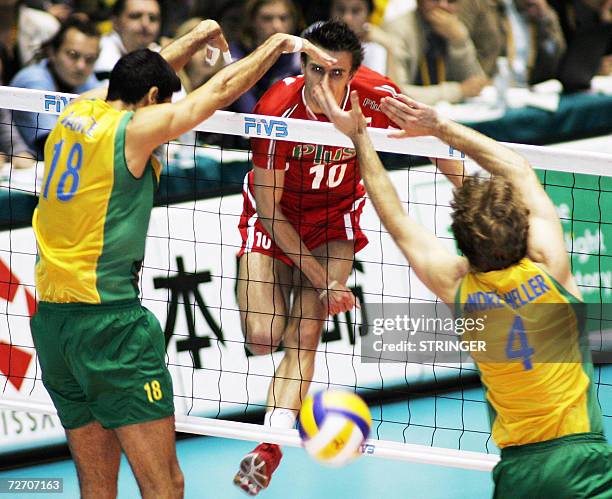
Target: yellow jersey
536, 369
93, 214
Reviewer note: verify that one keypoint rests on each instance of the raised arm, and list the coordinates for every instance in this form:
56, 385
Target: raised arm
545, 245
154, 125
438, 268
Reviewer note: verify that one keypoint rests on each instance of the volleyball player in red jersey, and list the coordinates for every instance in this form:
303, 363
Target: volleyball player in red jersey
300, 231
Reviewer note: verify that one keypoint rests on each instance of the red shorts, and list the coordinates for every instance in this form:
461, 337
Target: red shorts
315, 227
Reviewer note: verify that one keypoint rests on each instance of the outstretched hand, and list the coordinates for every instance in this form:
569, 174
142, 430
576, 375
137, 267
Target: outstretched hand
292, 44
350, 123
415, 119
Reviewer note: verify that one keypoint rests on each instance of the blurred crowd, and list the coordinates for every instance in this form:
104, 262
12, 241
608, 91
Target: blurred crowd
435, 50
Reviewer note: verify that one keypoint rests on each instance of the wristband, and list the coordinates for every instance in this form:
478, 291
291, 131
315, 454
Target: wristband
298, 44
329, 286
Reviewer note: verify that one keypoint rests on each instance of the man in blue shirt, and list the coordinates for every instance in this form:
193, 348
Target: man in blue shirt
65, 64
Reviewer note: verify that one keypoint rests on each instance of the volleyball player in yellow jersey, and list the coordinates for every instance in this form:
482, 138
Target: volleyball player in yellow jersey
102, 354
537, 371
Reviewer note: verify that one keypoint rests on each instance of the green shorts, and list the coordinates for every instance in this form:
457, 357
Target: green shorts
103, 362
573, 466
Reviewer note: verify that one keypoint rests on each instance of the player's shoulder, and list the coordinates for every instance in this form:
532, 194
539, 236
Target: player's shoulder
280, 96
372, 87
373, 84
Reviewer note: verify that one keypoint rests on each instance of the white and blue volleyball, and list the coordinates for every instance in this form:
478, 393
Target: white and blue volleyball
333, 424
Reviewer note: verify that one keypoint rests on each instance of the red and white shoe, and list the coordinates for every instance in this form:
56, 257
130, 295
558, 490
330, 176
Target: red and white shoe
256, 468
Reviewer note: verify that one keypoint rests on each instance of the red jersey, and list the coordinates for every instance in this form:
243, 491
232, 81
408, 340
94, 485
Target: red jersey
317, 176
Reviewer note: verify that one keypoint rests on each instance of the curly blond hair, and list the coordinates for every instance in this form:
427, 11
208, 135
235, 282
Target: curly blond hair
490, 223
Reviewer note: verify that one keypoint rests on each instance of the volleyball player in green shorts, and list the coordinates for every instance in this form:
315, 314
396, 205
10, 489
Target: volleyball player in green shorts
101, 353
515, 276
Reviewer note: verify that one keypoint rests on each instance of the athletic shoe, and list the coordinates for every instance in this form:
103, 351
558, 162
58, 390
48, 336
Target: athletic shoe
256, 468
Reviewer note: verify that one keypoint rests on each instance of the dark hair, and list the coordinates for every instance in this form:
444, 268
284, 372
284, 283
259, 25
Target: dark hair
88, 28
119, 7
334, 36
139, 71
490, 223
369, 5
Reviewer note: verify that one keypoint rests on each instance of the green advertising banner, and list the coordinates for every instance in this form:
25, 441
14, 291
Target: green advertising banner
584, 205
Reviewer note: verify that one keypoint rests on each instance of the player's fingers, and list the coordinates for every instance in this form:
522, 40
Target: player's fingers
399, 135
400, 113
321, 96
394, 115
411, 103
317, 95
355, 107
317, 53
407, 107
348, 300
327, 94
351, 301
220, 42
335, 309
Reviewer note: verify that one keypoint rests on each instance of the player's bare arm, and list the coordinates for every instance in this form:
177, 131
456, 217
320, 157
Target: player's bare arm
179, 52
155, 125
452, 168
438, 268
268, 189
545, 244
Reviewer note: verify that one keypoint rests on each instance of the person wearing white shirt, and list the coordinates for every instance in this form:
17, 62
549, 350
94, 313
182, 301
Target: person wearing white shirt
355, 14
136, 25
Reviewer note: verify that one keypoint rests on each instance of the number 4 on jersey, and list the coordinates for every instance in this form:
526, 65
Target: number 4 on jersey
524, 351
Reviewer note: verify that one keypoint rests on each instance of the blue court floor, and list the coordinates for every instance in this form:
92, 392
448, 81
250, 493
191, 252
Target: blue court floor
455, 420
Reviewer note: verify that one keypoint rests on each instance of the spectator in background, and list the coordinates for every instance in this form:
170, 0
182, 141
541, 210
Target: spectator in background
173, 14
136, 25
228, 13
60, 9
481, 19
437, 59
376, 44
65, 64
262, 19
22, 31
534, 41
13, 149
317, 10
587, 26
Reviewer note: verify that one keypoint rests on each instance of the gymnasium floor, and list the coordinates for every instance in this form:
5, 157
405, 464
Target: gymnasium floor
449, 421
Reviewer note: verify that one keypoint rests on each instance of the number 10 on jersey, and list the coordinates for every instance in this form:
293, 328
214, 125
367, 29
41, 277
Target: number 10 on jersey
335, 175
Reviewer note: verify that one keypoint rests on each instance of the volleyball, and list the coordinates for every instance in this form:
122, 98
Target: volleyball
333, 424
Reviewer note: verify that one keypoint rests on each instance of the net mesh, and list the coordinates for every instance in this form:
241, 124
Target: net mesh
190, 272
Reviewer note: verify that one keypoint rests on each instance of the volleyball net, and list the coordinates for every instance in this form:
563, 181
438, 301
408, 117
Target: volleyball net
431, 411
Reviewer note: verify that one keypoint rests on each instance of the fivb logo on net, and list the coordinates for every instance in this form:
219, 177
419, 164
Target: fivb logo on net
265, 127
56, 103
